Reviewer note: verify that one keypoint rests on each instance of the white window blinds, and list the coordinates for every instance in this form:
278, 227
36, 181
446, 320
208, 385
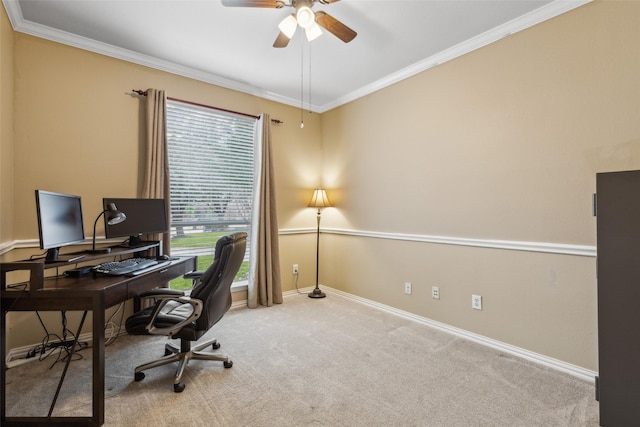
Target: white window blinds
211, 164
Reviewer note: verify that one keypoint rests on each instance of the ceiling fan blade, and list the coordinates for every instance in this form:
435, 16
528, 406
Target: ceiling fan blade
274, 4
281, 41
335, 27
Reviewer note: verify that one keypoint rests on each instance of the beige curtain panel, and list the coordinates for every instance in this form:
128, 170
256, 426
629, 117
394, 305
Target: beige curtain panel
264, 287
156, 171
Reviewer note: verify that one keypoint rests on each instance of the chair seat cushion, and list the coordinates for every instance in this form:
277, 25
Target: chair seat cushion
171, 314
213, 290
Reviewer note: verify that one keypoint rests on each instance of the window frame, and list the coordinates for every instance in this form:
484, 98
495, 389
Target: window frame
224, 139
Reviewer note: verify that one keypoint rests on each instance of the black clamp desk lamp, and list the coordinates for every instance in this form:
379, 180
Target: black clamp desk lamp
113, 216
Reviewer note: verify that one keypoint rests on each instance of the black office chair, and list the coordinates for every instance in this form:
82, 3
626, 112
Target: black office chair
189, 317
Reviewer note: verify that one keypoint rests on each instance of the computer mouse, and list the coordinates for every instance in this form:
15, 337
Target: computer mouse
164, 258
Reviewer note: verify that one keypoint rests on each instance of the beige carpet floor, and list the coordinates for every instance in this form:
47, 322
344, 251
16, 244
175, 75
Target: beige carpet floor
328, 362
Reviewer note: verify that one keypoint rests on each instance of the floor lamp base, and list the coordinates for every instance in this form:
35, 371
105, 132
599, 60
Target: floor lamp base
317, 293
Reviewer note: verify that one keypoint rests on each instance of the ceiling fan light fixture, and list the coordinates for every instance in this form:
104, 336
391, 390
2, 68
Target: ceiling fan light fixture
288, 26
305, 16
313, 32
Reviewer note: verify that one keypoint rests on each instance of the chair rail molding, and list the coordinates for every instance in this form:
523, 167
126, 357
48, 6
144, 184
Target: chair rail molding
514, 245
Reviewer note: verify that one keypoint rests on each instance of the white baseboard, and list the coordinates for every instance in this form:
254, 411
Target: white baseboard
549, 362
17, 356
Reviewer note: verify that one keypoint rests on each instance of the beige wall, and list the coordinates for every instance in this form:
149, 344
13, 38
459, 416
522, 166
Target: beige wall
77, 130
501, 144
6, 128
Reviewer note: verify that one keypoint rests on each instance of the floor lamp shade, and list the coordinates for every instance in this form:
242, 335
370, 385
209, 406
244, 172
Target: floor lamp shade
318, 200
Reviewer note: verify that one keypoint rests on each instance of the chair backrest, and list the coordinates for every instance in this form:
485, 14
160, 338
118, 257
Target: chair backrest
214, 289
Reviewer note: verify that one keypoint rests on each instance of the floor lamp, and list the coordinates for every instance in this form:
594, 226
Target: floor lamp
318, 200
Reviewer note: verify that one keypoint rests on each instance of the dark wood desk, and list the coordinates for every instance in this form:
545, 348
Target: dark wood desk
81, 294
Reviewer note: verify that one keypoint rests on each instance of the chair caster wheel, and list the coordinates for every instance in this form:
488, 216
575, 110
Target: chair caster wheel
178, 387
215, 345
139, 376
228, 364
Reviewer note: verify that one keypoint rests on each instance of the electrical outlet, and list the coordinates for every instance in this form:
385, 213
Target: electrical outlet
407, 288
294, 271
435, 292
476, 302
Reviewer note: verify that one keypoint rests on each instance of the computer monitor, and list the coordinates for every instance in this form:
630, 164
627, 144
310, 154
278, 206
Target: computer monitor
59, 222
144, 216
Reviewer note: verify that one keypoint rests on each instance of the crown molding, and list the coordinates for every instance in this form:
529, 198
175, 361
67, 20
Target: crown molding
537, 16
523, 22
21, 25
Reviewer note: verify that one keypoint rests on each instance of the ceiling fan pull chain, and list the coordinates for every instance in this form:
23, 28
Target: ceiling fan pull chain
302, 84
309, 81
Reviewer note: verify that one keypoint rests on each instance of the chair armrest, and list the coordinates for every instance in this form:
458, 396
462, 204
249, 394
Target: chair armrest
195, 277
162, 301
193, 274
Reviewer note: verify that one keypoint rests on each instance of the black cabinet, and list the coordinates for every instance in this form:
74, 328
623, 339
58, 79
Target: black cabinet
618, 263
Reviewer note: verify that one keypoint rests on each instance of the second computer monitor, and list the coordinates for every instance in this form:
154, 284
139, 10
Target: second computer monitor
144, 216
59, 222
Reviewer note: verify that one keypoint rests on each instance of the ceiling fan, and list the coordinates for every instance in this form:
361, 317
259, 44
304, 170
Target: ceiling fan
303, 16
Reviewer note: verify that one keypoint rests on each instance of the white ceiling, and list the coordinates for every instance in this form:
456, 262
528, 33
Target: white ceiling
232, 47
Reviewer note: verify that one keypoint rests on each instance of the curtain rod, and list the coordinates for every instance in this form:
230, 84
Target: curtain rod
273, 121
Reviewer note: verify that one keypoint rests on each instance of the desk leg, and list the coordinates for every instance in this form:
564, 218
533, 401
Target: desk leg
3, 371
98, 359
66, 364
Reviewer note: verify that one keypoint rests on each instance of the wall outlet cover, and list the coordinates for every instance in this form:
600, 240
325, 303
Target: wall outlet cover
476, 302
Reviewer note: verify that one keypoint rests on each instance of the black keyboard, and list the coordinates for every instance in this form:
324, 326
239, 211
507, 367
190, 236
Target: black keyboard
119, 268
157, 266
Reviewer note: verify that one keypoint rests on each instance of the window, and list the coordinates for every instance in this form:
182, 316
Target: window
211, 164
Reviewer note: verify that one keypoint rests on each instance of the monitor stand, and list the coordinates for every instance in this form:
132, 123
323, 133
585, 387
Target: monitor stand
53, 256
136, 242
